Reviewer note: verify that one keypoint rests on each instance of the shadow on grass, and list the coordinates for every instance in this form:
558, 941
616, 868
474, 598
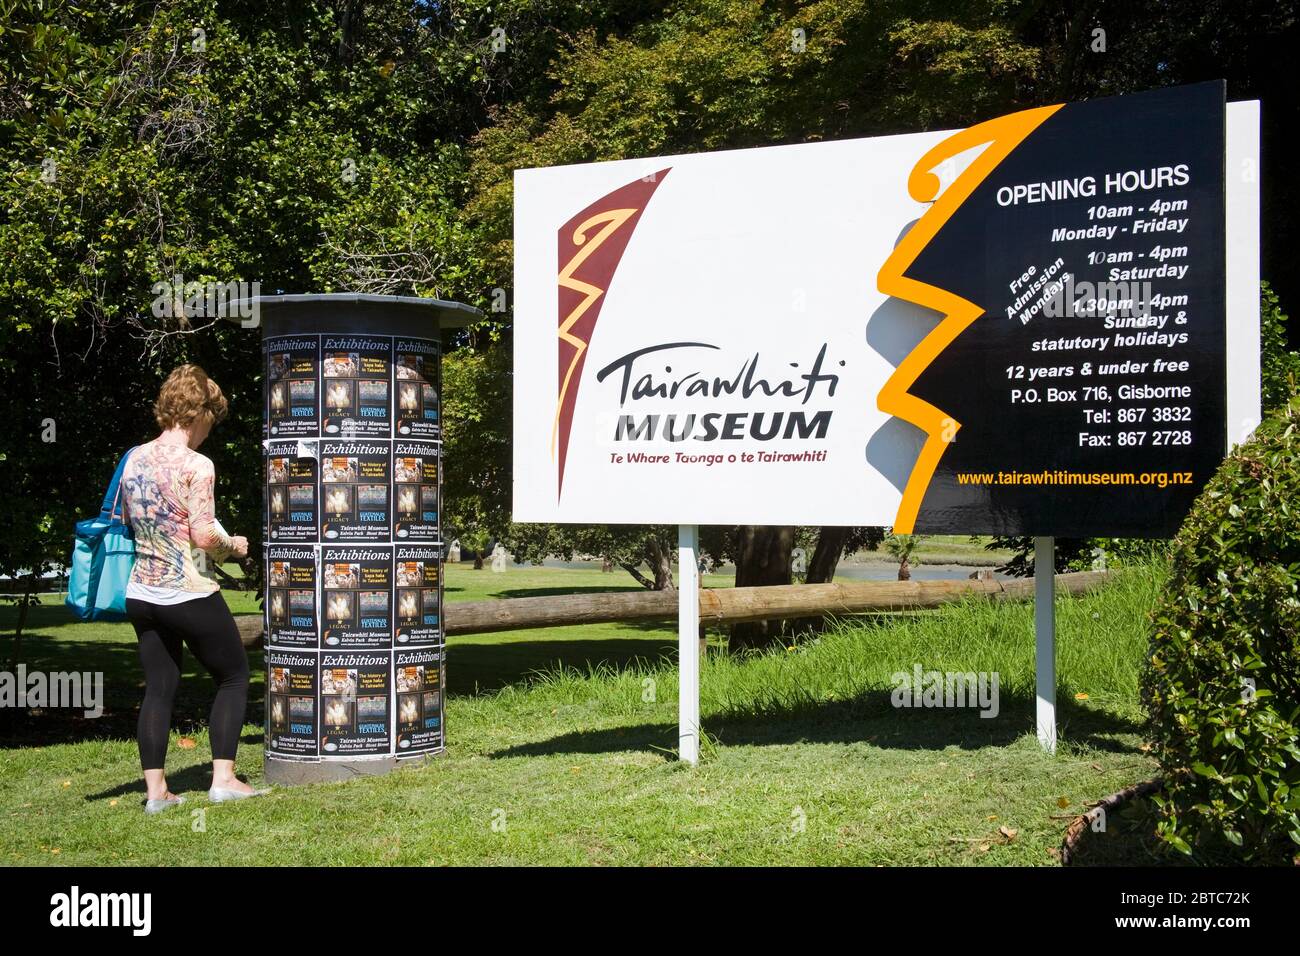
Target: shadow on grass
479, 667
180, 780
123, 691
472, 668
1129, 839
869, 718
40, 617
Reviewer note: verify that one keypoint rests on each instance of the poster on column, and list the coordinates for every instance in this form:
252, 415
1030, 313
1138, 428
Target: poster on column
415, 373
291, 490
355, 702
291, 596
292, 365
419, 595
356, 380
356, 596
417, 675
291, 725
355, 491
415, 488
1045, 324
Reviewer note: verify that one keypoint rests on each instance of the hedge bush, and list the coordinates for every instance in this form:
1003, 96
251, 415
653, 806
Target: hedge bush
1231, 613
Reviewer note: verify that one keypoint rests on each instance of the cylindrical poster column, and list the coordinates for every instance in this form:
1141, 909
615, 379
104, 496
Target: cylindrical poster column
352, 530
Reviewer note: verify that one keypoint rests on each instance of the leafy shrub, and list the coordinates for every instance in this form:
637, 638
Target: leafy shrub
1230, 614
1279, 366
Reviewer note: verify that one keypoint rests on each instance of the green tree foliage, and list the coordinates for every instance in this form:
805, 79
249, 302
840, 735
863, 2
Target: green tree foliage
308, 146
476, 438
322, 145
717, 74
645, 552
903, 547
1222, 684
728, 73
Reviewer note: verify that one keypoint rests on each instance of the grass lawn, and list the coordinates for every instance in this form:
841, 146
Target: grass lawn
561, 749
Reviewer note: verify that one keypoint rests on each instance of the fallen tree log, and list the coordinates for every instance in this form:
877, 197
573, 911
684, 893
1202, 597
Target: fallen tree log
731, 605
725, 605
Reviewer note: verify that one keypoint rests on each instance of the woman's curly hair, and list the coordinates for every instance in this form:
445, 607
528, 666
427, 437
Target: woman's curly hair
188, 394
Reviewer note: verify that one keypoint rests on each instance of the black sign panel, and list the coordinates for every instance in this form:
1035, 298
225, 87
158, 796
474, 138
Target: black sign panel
356, 386
1088, 396
415, 378
357, 596
416, 490
292, 618
293, 386
356, 703
419, 595
291, 718
291, 491
351, 431
355, 491
417, 678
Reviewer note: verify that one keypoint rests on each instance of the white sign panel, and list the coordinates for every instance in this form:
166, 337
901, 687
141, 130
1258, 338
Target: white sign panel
771, 335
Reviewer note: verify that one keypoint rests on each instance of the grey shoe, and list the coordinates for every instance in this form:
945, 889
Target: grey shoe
222, 795
158, 806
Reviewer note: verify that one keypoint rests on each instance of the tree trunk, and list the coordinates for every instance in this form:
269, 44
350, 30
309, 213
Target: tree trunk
826, 556
821, 568
478, 560
638, 577
606, 565
905, 569
661, 563
350, 18
23, 604
1077, 37
762, 559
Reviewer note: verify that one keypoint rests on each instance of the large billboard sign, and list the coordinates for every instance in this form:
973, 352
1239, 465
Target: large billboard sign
1044, 324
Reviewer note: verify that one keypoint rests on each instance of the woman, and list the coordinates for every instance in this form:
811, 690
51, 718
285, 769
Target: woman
167, 490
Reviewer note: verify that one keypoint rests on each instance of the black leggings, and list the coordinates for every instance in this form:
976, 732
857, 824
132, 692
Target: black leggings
207, 626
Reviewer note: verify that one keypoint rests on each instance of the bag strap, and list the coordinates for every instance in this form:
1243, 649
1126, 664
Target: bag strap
109, 508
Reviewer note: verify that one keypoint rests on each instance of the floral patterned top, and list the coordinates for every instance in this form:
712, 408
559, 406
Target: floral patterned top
167, 495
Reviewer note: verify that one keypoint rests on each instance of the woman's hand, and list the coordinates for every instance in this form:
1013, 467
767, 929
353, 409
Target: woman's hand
239, 546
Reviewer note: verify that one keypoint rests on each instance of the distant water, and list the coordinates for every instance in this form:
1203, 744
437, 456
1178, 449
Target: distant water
920, 572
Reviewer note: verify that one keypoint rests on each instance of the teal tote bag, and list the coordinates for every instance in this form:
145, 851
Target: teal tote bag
102, 557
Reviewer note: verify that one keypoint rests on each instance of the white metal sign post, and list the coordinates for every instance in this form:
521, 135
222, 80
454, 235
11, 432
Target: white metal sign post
688, 647
1045, 640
